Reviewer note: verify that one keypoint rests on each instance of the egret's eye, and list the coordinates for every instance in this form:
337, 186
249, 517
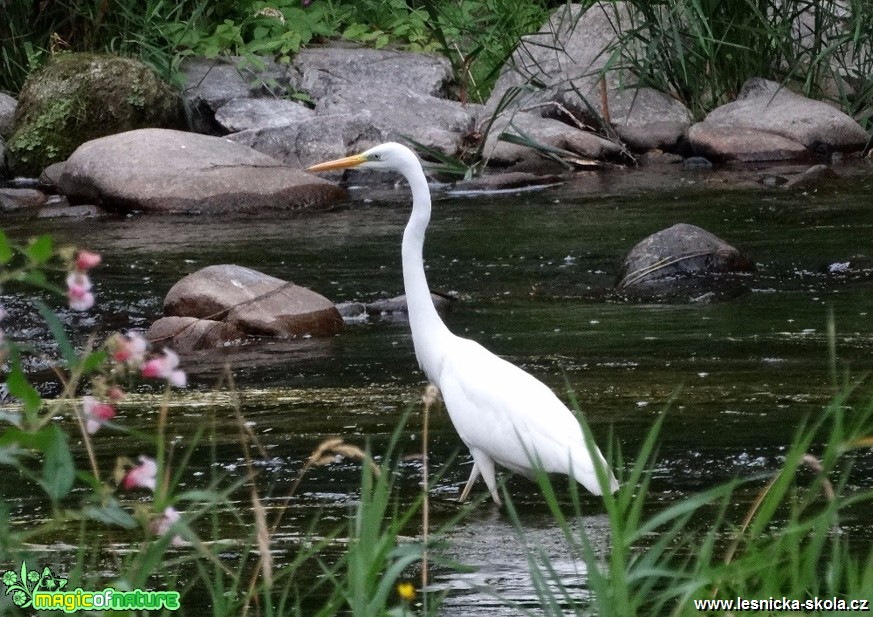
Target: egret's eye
376, 157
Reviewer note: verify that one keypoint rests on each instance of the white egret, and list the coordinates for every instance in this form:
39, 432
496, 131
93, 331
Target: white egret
503, 414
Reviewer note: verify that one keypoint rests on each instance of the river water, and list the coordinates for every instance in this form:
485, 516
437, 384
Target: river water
533, 272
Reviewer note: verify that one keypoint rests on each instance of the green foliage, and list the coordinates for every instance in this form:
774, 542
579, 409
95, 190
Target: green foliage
30, 148
478, 36
788, 544
702, 51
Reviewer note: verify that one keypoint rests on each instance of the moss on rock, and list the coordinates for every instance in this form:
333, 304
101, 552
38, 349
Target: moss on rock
78, 97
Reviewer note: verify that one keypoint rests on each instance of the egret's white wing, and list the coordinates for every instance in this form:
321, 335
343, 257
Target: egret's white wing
510, 415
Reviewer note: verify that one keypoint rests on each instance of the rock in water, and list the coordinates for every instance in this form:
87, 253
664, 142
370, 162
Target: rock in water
160, 170
683, 262
186, 334
253, 302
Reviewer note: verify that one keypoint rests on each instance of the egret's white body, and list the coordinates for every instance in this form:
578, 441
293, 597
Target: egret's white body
503, 414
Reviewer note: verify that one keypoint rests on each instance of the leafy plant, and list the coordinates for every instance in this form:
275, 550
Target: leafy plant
786, 545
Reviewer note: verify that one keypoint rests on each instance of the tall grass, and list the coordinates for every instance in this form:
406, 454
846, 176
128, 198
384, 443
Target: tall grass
702, 51
788, 543
154, 31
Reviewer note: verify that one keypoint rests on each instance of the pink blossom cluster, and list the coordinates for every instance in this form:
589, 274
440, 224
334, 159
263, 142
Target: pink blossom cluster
130, 350
144, 475
79, 284
96, 413
164, 367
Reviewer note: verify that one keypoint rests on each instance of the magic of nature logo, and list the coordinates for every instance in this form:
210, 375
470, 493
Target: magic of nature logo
45, 591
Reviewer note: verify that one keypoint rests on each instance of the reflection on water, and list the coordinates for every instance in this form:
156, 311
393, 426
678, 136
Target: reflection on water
534, 273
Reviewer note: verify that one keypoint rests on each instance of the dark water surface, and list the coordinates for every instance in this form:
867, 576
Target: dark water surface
534, 273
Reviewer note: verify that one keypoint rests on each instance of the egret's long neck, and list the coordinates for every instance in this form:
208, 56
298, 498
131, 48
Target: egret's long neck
428, 330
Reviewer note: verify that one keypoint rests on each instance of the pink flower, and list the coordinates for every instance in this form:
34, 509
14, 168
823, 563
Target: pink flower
130, 348
86, 260
164, 367
79, 291
96, 413
115, 394
161, 525
143, 475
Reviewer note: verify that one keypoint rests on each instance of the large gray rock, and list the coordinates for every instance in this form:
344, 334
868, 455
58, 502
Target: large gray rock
254, 302
78, 97
433, 122
543, 131
364, 97
683, 262
210, 83
566, 60
327, 69
171, 171
304, 143
16, 199
243, 114
187, 334
769, 122
725, 143
7, 112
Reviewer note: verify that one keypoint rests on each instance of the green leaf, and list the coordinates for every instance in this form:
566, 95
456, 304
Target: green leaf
6, 253
355, 31
40, 249
58, 469
111, 514
21, 389
93, 361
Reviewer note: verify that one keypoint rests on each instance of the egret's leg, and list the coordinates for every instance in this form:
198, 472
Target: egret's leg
486, 468
466, 492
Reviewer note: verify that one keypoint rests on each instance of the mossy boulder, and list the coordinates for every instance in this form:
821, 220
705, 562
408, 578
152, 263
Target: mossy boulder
78, 97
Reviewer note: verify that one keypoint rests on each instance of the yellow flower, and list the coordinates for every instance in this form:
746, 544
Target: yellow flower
406, 591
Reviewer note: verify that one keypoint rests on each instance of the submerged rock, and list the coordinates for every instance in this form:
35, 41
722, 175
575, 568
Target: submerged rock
15, 199
253, 302
67, 211
187, 334
815, 176
387, 308
683, 262
159, 170
397, 305
79, 97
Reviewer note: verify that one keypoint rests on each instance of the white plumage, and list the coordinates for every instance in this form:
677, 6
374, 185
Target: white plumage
503, 414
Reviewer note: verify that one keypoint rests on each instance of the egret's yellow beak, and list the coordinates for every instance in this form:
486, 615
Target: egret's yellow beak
349, 161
